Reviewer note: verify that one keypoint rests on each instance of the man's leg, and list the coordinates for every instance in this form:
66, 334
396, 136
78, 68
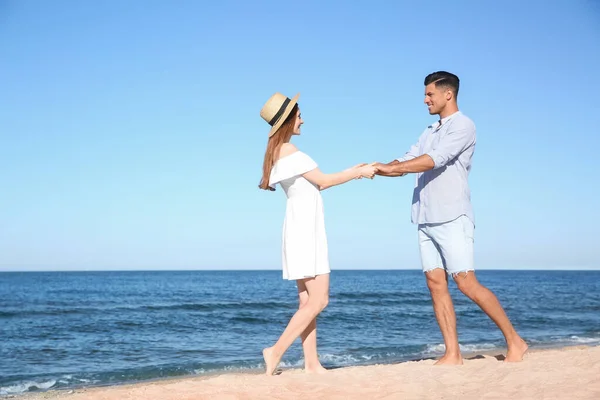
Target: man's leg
437, 282
488, 302
456, 242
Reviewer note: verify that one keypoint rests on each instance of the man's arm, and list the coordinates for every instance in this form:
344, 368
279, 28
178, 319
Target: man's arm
412, 153
396, 168
453, 144
449, 147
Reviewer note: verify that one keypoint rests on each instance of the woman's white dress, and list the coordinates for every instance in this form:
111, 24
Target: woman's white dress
304, 242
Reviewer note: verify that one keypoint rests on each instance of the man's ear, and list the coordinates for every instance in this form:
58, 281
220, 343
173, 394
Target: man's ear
449, 95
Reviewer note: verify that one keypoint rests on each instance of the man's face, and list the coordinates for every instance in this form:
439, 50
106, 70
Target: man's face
436, 98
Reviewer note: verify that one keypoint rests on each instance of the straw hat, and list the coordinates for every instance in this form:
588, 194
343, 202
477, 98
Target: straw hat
277, 109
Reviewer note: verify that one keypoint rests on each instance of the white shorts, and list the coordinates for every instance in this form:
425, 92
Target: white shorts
447, 245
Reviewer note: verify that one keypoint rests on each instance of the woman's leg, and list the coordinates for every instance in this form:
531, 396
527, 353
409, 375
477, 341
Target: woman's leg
318, 297
309, 336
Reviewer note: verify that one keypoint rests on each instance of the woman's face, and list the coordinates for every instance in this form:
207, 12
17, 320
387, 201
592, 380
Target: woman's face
298, 123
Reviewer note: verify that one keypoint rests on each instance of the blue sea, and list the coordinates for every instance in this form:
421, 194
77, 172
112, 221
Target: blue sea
74, 329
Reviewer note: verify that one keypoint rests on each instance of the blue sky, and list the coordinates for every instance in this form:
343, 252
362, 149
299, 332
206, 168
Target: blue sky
131, 136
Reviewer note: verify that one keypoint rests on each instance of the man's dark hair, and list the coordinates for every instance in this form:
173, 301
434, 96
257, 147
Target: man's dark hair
445, 80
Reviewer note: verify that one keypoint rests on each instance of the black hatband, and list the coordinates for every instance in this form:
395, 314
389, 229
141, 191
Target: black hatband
280, 112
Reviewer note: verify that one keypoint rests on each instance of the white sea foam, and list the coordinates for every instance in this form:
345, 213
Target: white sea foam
584, 340
438, 349
575, 340
290, 364
343, 359
27, 386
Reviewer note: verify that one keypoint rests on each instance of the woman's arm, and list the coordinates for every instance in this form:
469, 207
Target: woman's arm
325, 181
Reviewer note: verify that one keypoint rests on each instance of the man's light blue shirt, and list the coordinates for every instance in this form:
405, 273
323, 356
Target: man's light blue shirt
442, 194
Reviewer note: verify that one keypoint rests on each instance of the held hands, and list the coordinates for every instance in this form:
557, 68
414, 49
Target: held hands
365, 170
381, 167
387, 169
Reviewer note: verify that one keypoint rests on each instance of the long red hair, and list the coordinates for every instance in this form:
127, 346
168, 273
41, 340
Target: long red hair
283, 135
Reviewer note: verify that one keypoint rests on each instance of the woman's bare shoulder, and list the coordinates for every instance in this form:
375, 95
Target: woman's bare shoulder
287, 149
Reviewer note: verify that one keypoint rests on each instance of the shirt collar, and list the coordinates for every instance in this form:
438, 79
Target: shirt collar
441, 122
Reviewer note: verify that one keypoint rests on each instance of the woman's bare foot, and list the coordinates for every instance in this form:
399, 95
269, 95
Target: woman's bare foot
271, 360
516, 351
319, 369
450, 359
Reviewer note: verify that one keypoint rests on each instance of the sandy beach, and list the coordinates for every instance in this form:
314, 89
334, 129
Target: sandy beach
568, 373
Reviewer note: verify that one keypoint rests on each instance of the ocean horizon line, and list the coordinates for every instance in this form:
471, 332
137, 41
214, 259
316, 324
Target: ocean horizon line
513, 269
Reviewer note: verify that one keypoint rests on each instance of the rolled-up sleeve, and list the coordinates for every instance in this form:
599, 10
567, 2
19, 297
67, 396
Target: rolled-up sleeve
457, 139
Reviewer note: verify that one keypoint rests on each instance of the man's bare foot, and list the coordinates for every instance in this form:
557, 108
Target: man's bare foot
449, 359
516, 351
271, 360
319, 369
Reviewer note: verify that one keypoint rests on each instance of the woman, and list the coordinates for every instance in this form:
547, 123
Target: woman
305, 258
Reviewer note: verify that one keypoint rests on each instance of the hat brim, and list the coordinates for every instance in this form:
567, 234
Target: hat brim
285, 115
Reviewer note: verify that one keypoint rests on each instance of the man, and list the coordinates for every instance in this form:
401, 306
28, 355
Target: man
442, 209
